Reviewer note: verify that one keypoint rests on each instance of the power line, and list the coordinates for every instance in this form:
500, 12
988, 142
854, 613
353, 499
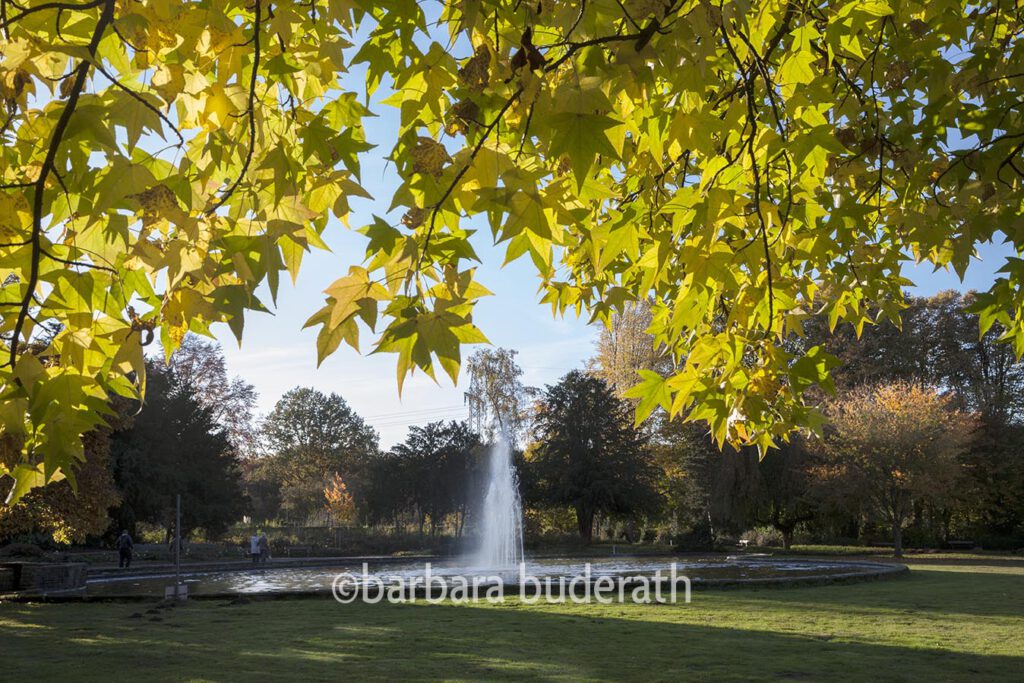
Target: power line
421, 420
405, 413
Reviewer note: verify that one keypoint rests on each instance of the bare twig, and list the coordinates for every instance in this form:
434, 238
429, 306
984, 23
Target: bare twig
526, 133
579, 18
72, 262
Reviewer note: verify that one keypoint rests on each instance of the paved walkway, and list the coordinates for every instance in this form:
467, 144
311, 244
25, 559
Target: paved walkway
160, 568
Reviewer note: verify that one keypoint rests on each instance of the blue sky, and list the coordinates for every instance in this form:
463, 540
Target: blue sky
278, 355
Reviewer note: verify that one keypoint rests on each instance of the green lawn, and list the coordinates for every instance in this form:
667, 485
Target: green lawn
942, 622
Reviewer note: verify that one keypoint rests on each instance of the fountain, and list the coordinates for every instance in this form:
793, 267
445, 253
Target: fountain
501, 521
499, 554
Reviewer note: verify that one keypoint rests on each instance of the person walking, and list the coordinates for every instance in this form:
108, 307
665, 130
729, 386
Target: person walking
264, 545
124, 547
254, 548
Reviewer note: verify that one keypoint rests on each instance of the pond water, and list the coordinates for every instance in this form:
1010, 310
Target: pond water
288, 579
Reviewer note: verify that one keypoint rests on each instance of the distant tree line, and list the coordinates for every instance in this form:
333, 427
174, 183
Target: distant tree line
922, 444
924, 439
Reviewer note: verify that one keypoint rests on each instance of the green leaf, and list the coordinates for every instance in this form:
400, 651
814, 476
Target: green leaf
27, 478
652, 391
581, 137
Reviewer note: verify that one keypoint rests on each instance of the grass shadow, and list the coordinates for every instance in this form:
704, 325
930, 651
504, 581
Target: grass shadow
899, 630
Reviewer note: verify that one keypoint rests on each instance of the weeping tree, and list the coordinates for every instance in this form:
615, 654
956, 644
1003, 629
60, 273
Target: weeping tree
499, 402
785, 494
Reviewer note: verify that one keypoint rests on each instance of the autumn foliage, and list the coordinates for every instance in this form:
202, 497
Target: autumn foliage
896, 446
339, 502
745, 166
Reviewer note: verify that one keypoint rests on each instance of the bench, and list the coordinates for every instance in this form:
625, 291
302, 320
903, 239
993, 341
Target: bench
961, 545
298, 550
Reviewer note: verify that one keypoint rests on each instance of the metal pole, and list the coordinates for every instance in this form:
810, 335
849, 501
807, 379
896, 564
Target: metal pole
177, 550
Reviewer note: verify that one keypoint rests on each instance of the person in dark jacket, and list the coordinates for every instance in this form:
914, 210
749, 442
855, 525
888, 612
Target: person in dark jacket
124, 547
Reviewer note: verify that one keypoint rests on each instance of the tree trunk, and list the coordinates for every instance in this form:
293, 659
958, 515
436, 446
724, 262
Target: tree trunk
711, 529
787, 538
947, 518
897, 538
585, 522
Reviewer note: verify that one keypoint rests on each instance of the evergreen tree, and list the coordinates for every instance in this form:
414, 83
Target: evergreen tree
588, 456
175, 446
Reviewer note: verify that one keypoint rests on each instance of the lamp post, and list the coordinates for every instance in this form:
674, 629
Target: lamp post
177, 547
177, 591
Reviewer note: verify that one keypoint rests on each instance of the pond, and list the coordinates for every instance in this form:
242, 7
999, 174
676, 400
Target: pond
709, 570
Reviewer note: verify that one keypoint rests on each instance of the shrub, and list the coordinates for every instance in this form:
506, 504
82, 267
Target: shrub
22, 550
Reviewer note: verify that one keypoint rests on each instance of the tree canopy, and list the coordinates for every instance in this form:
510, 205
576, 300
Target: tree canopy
588, 456
160, 161
897, 445
175, 446
311, 437
498, 401
745, 165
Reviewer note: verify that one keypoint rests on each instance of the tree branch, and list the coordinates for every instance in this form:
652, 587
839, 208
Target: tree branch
458, 176
7, 23
141, 100
70, 262
82, 73
250, 111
